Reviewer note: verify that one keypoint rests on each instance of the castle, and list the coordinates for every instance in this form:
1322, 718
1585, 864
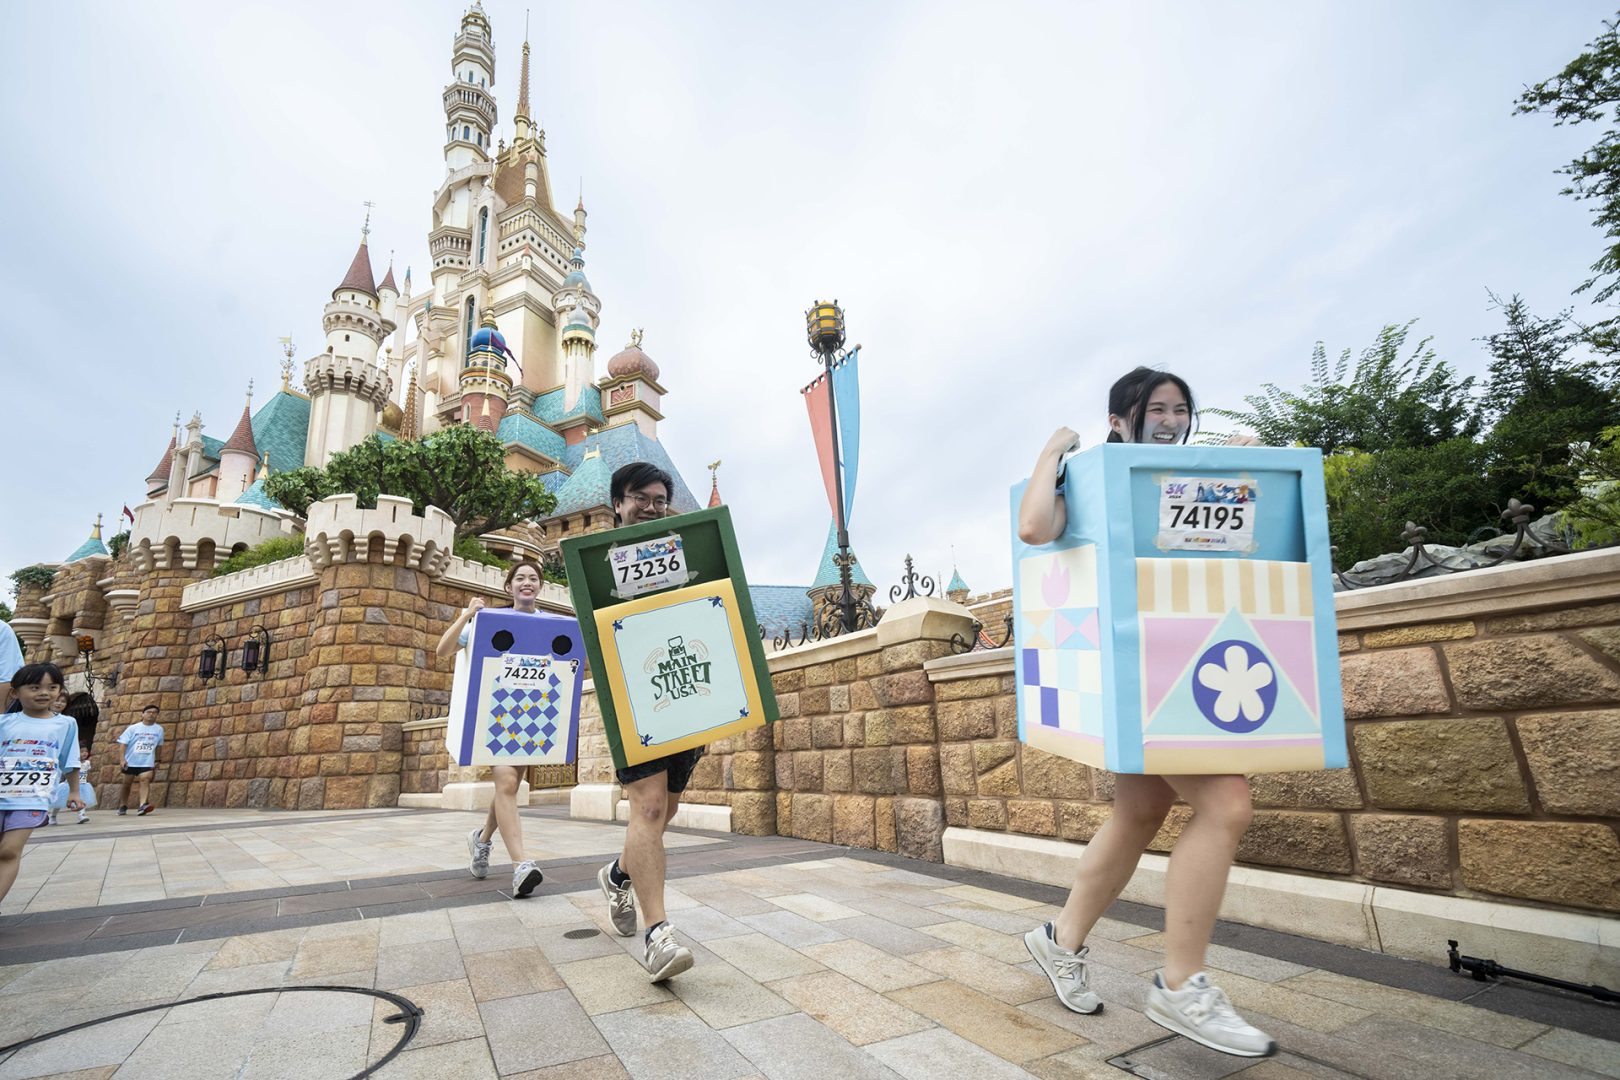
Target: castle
504, 338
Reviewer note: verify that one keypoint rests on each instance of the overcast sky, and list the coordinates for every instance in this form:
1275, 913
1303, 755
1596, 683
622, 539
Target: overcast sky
1014, 202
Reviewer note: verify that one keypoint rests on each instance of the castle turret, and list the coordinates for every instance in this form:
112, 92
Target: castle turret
631, 388
485, 385
469, 104
159, 477
346, 388
238, 457
579, 311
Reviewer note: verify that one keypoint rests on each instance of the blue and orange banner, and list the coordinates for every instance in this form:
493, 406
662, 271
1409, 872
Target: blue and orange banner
818, 400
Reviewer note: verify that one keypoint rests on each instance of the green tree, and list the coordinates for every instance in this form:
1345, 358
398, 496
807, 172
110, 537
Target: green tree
1585, 92
5, 611
460, 469
1388, 398
1542, 397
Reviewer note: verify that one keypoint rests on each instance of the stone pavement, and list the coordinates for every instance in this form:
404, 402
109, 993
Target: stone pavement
812, 961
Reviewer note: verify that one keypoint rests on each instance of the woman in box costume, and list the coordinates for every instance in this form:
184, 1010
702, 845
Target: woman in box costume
523, 585
1147, 407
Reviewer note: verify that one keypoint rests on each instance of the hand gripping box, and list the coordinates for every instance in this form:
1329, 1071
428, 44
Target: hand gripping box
670, 631
1183, 622
515, 698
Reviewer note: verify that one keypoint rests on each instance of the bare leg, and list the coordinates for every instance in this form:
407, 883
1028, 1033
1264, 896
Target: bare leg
123, 789
503, 812
1199, 865
146, 788
652, 804
11, 849
1106, 866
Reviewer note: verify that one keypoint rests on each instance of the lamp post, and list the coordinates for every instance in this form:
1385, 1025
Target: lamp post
87, 651
824, 326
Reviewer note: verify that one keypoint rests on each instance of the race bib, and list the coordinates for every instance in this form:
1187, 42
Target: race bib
1202, 513
27, 777
534, 672
647, 566
144, 745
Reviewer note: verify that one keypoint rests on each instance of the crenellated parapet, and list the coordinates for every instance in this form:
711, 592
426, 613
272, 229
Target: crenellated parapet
339, 531
350, 375
173, 535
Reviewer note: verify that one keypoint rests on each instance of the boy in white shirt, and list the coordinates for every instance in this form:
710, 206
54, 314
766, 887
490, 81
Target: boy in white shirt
38, 746
140, 742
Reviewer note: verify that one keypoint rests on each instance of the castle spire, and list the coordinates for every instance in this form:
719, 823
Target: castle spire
714, 483
522, 116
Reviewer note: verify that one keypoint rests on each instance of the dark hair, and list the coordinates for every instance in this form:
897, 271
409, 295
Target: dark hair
82, 706
520, 564
636, 475
1128, 399
148, 708
34, 674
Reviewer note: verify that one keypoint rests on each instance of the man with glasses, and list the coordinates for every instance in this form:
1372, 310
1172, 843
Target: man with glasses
640, 492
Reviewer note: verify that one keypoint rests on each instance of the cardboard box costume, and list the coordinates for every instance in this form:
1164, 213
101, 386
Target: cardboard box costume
670, 632
1184, 621
515, 696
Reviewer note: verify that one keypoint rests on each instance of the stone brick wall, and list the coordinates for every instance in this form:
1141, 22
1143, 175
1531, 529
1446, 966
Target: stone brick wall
1484, 726
425, 763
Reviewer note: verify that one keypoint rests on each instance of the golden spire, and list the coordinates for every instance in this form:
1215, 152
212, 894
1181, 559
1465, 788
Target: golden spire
264, 466
287, 363
407, 425
95, 533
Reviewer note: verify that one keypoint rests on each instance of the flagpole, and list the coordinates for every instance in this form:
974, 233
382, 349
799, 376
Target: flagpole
826, 332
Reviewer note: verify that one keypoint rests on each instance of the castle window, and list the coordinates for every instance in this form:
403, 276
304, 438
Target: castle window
483, 232
471, 303
466, 132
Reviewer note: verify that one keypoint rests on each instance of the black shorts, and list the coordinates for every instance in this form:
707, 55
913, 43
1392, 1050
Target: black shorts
136, 770
677, 767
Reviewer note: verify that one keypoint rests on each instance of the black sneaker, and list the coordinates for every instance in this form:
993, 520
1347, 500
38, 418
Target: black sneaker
122, 810
146, 808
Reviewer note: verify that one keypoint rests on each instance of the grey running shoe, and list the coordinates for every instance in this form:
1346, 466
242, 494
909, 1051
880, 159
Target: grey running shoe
665, 955
621, 902
479, 847
84, 817
1202, 1012
1066, 969
526, 877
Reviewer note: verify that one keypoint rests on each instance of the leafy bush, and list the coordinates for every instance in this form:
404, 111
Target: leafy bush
275, 549
118, 544
469, 548
35, 576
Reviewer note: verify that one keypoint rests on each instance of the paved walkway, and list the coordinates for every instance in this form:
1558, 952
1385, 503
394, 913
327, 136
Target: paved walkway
812, 961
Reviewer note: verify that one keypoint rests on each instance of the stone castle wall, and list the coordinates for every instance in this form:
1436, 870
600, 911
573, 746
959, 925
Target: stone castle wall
1484, 727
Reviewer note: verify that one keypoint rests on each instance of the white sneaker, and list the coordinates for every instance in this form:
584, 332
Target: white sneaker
621, 902
84, 817
1066, 969
526, 877
480, 852
1202, 1012
665, 956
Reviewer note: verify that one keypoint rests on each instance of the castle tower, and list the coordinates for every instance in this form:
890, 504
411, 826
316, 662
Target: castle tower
485, 385
580, 313
631, 389
187, 460
346, 388
238, 457
469, 106
159, 476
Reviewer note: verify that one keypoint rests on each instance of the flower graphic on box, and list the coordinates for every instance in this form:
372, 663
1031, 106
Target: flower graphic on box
1236, 686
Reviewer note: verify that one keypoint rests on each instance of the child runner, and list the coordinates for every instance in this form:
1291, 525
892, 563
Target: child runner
523, 585
37, 748
641, 492
83, 710
140, 742
1148, 407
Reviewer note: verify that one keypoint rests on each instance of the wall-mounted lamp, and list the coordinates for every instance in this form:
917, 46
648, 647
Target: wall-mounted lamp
215, 656
256, 651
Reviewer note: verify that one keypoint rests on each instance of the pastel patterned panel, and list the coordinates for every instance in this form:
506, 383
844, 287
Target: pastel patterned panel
1229, 675
516, 694
1059, 662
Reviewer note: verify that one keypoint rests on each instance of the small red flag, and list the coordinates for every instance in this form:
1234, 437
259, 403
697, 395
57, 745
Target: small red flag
129, 514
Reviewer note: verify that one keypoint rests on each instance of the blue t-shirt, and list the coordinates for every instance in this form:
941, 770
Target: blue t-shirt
34, 753
140, 745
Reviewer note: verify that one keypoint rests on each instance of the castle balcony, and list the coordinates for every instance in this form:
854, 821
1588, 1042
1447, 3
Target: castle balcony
350, 375
526, 222
339, 531
465, 97
450, 247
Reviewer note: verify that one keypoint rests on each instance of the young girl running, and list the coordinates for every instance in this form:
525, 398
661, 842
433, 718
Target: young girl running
1148, 407
38, 747
523, 585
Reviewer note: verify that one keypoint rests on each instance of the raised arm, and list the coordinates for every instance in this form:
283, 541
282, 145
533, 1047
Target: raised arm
447, 644
1041, 514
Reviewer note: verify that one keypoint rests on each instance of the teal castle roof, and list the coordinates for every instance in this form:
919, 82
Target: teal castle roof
827, 573
280, 429
92, 546
957, 584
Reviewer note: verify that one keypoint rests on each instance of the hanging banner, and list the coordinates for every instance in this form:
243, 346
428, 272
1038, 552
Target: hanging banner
817, 401
847, 390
